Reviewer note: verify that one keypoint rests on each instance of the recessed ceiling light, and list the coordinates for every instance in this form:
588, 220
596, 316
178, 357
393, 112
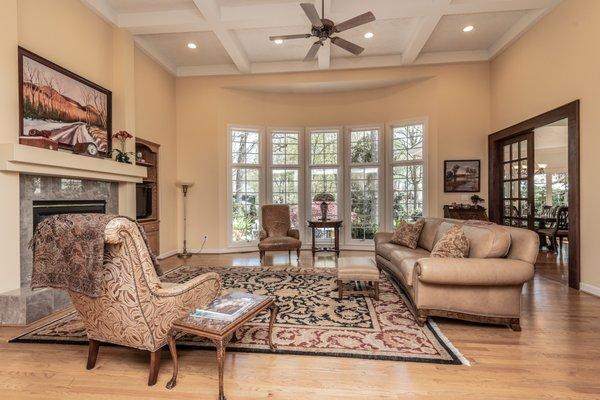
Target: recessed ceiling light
278, 41
369, 35
192, 45
468, 28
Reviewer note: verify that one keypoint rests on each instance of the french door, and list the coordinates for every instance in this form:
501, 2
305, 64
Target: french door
517, 172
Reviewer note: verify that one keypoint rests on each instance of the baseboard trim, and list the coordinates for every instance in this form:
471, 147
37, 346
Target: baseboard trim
589, 289
167, 254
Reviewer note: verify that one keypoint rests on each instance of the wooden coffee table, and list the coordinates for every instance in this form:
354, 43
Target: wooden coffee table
220, 332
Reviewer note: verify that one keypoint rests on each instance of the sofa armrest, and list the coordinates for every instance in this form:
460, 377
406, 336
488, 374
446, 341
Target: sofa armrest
211, 279
295, 233
382, 237
473, 271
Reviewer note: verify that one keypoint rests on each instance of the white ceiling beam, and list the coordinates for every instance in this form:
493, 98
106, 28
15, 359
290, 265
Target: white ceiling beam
517, 30
423, 30
481, 6
445, 57
173, 21
212, 14
103, 9
208, 70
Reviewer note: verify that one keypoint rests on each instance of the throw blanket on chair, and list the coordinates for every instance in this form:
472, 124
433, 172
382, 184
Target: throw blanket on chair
68, 252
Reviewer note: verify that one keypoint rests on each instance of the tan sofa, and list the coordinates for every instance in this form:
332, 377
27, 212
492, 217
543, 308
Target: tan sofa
485, 287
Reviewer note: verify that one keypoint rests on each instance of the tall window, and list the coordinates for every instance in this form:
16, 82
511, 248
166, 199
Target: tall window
407, 161
324, 173
285, 171
245, 184
363, 182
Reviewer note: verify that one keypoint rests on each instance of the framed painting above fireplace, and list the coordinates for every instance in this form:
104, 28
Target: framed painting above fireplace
59, 108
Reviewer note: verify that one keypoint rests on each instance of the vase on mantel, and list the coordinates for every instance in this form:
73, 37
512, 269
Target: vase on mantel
122, 155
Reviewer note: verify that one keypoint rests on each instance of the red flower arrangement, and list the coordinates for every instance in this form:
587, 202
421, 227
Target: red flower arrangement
122, 155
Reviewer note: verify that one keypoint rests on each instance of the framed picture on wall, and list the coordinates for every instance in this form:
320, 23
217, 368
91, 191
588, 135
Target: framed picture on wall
57, 106
462, 176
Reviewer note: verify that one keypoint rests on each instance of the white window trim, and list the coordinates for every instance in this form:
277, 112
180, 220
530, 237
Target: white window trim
389, 164
301, 167
261, 192
381, 165
309, 167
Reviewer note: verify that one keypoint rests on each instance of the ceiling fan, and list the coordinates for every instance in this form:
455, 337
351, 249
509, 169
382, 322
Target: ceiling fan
323, 29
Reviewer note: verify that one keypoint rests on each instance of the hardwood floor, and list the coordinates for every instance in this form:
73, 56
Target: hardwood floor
555, 356
553, 265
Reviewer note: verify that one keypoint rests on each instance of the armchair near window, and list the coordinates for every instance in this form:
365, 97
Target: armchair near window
276, 232
135, 308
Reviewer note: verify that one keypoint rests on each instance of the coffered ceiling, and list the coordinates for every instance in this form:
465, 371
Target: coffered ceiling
232, 36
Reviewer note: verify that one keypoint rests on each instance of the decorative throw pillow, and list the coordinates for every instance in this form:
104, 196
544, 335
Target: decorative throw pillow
454, 244
408, 234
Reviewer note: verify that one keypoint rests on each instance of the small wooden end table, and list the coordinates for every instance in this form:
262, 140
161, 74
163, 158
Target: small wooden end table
336, 225
220, 332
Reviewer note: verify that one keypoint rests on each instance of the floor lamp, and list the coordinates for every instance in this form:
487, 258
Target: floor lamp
185, 186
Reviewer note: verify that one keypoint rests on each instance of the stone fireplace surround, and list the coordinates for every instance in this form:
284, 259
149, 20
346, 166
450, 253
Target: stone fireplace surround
23, 305
51, 175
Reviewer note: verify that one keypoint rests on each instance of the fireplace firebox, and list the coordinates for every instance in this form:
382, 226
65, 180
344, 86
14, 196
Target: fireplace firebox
42, 209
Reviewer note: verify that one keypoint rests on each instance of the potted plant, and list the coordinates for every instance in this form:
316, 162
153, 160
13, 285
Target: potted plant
324, 198
122, 155
475, 199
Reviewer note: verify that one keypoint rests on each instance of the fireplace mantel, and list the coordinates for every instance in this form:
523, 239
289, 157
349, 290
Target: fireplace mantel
32, 160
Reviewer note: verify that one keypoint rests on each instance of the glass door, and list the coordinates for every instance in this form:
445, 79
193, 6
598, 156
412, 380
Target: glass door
517, 181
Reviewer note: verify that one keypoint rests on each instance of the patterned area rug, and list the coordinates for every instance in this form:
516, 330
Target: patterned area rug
311, 319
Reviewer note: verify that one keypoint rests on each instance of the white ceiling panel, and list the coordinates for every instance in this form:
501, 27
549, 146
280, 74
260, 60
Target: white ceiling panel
260, 49
391, 36
489, 27
173, 47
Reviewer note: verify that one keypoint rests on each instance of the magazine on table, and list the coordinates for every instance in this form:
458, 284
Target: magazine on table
225, 308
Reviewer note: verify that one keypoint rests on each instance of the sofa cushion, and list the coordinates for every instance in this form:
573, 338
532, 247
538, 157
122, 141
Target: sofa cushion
404, 259
487, 240
385, 250
428, 233
408, 234
454, 244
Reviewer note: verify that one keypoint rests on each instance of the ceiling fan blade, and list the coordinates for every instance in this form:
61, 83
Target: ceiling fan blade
287, 37
312, 14
346, 45
354, 22
312, 52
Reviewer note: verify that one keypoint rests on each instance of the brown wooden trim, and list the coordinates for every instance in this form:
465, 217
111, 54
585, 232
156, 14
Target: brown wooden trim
22, 52
571, 112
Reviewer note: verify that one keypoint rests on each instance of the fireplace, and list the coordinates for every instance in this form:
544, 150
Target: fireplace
42, 209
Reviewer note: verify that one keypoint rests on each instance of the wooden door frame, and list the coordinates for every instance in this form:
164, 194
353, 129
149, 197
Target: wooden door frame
571, 112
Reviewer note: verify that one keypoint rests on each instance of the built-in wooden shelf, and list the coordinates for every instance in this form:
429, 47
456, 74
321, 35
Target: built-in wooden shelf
151, 223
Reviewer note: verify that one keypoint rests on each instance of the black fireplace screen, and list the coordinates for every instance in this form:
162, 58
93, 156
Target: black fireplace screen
44, 208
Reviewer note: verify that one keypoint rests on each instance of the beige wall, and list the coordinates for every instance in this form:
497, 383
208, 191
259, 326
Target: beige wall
557, 62
69, 34
454, 98
155, 121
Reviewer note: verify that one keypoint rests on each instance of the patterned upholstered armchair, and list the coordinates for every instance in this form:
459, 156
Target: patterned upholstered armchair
277, 233
135, 308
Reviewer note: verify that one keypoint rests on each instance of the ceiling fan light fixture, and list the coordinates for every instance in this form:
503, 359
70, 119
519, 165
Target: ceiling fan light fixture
369, 35
278, 41
468, 28
192, 45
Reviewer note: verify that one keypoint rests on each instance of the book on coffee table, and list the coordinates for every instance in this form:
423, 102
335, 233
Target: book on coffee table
225, 308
